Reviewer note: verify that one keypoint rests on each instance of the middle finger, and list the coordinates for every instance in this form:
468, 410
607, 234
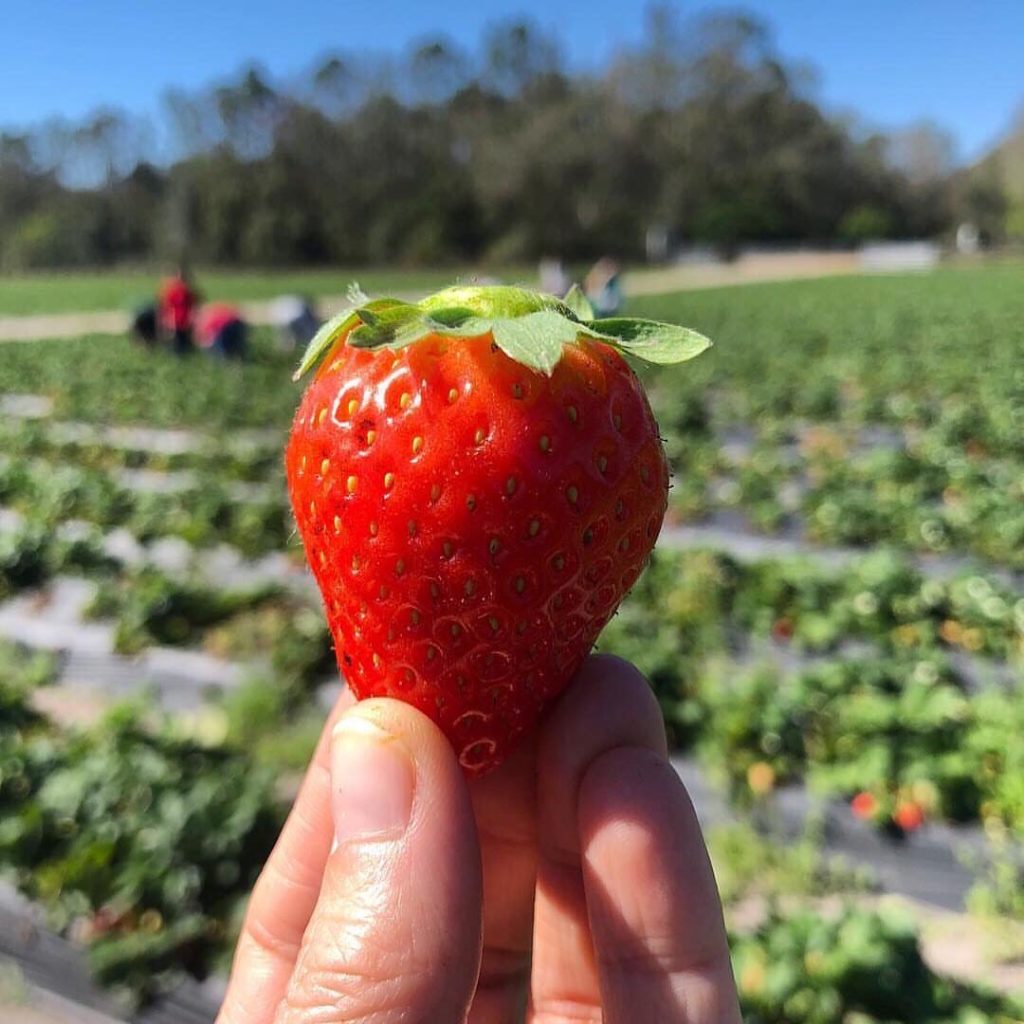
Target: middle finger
608, 705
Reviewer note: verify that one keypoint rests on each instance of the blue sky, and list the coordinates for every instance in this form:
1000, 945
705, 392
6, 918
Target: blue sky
957, 62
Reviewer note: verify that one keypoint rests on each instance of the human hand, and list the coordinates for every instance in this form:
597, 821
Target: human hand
570, 885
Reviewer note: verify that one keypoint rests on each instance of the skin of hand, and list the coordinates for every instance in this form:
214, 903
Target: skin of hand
571, 885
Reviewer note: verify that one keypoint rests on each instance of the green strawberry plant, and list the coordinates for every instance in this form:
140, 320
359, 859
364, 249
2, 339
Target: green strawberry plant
857, 966
147, 844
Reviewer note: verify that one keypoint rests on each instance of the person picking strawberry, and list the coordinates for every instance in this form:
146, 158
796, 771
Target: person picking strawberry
494, 828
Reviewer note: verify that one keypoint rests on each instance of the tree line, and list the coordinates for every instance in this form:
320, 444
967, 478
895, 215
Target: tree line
703, 132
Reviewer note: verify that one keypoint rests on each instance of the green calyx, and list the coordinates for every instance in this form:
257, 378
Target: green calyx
528, 326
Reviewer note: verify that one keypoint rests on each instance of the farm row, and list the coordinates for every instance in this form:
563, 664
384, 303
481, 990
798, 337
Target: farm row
717, 639
150, 490
946, 478
723, 607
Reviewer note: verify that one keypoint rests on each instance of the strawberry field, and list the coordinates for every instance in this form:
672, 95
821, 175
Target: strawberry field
833, 623
29, 293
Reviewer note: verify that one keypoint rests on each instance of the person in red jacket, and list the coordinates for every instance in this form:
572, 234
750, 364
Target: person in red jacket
221, 330
178, 302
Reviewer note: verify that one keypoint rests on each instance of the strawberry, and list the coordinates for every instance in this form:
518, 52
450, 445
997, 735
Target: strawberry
864, 806
478, 481
908, 815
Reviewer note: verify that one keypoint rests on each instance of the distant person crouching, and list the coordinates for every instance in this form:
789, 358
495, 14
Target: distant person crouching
603, 287
221, 331
145, 326
178, 302
553, 278
296, 320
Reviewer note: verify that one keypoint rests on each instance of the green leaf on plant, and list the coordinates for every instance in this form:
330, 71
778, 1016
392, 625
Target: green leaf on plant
652, 341
498, 300
338, 325
530, 327
579, 304
368, 316
535, 340
380, 327
451, 316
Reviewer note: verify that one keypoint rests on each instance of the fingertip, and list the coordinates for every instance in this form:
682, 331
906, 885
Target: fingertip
609, 704
440, 791
421, 737
609, 698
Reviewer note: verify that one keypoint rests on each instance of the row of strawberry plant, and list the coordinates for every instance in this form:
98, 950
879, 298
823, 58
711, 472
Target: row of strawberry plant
900, 738
691, 604
246, 624
898, 725
203, 514
250, 624
110, 380
852, 966
929, 499
144, 844
902, 351
228, 458
30, 556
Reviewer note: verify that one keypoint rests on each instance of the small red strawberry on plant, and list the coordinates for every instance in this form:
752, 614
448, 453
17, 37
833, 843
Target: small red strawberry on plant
908, 816
865, 806
478, 481
782, 629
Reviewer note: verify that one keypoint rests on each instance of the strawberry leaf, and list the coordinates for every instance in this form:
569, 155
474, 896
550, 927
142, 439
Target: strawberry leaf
387, 322
579, 304
337, 326
652, 341
379, 327
355, 295
535, 340
498, 300
529, 327
368, 316
402, 326
451, 316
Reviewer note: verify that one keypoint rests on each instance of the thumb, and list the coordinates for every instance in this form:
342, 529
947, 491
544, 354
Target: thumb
396, 932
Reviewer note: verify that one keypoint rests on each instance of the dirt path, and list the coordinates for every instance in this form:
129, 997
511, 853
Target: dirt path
21, 1002
684, 277
752, 269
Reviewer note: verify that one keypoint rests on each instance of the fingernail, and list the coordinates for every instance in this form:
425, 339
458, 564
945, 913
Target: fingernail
372, 779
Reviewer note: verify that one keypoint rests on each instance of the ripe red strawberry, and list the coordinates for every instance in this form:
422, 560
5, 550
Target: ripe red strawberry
478, 481
909, 816
864, 806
